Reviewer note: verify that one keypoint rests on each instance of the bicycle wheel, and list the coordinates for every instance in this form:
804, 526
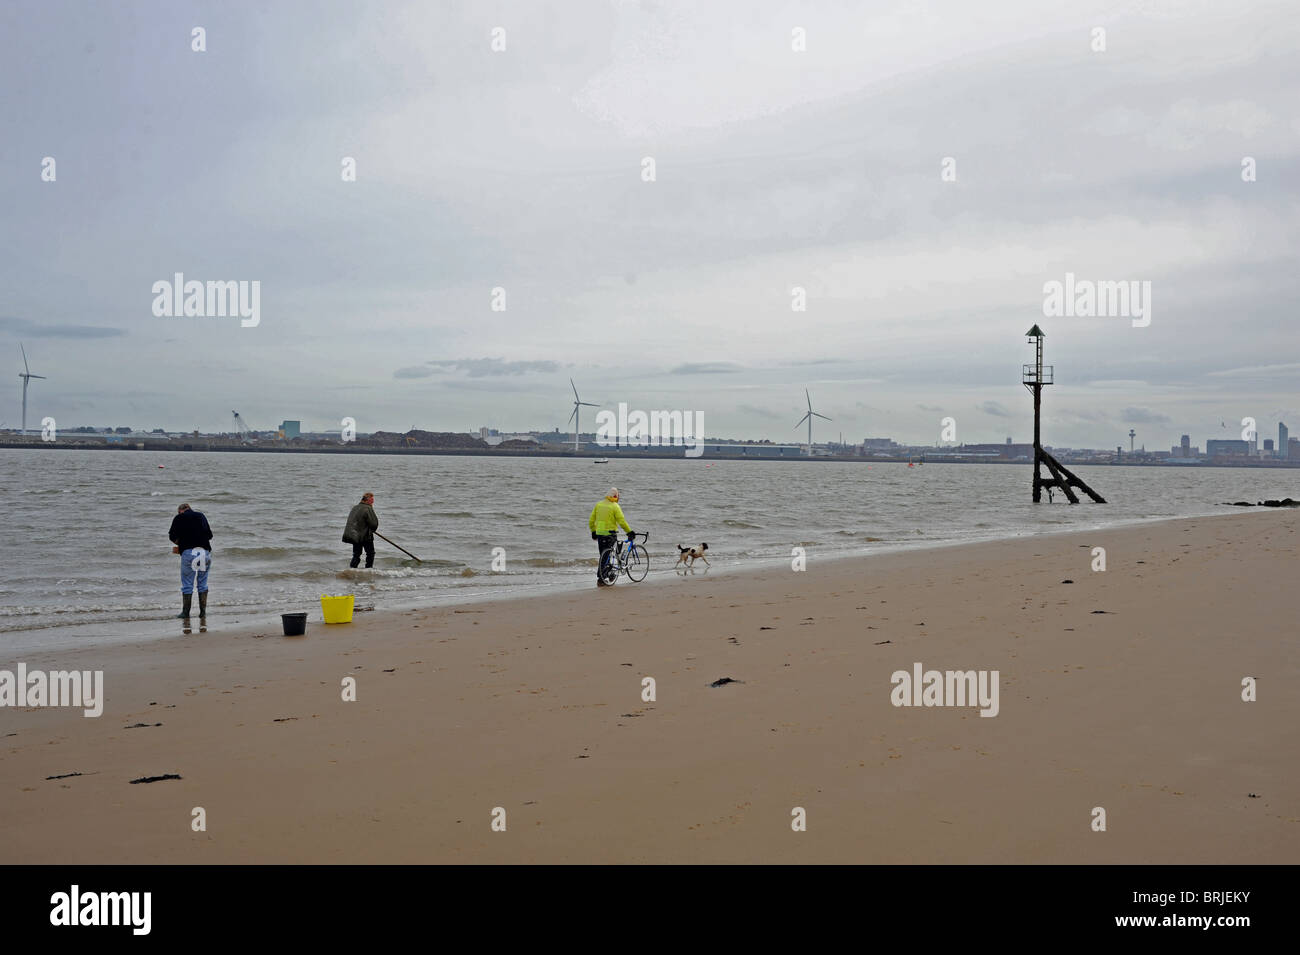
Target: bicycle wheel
609, 567
638, 565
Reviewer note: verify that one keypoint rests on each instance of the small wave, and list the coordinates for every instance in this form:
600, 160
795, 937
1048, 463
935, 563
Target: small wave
260, 552
155, 493
742, 525
558, 562
452, 514
41, 618
23, 611
271, 576
361, 574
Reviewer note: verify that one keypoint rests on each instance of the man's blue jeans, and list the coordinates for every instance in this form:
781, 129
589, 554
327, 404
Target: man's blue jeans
195, 562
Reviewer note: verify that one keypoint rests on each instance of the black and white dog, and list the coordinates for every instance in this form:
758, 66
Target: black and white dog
692, 554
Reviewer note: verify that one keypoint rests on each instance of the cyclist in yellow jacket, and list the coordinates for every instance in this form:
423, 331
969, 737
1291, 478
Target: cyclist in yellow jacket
606, 518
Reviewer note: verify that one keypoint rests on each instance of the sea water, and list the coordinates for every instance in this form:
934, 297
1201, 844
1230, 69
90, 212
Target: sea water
86, 554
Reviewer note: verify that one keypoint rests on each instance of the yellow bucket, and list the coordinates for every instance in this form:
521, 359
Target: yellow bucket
337, 609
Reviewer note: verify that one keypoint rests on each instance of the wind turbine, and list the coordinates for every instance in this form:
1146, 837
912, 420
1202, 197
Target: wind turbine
808, 417
26, 375
578, 404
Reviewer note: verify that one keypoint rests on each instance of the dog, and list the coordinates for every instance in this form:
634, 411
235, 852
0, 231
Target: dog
692, 554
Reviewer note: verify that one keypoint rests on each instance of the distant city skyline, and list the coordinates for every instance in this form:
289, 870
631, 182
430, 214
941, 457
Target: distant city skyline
292, 428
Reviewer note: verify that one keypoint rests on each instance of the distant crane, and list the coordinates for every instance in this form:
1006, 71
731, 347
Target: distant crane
241, 429
26, 375
808, 417
578, 405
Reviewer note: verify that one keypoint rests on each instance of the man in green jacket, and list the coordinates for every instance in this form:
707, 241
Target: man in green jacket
360, 530
606, 518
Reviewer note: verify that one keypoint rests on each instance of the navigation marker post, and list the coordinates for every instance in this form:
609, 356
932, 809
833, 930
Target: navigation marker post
1035, 377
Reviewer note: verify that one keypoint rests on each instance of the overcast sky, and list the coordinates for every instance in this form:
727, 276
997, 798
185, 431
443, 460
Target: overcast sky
775, 168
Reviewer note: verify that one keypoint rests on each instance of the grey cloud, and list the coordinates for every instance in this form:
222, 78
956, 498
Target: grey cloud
993, 408
707, 368
1075, 414
413, 372
760, 412
26, 329
1259, 371
1143, 416
484, 367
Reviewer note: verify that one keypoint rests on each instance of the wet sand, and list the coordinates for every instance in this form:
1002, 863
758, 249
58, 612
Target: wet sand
535, 706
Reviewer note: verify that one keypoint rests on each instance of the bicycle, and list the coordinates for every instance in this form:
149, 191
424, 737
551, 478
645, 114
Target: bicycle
626, 557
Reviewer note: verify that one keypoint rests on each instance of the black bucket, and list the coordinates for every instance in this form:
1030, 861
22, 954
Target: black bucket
295, 624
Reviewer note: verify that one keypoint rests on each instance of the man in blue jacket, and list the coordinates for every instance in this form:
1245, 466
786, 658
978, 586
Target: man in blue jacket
191, 537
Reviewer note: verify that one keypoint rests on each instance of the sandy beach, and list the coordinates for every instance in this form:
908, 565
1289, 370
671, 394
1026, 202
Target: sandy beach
1121, 689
